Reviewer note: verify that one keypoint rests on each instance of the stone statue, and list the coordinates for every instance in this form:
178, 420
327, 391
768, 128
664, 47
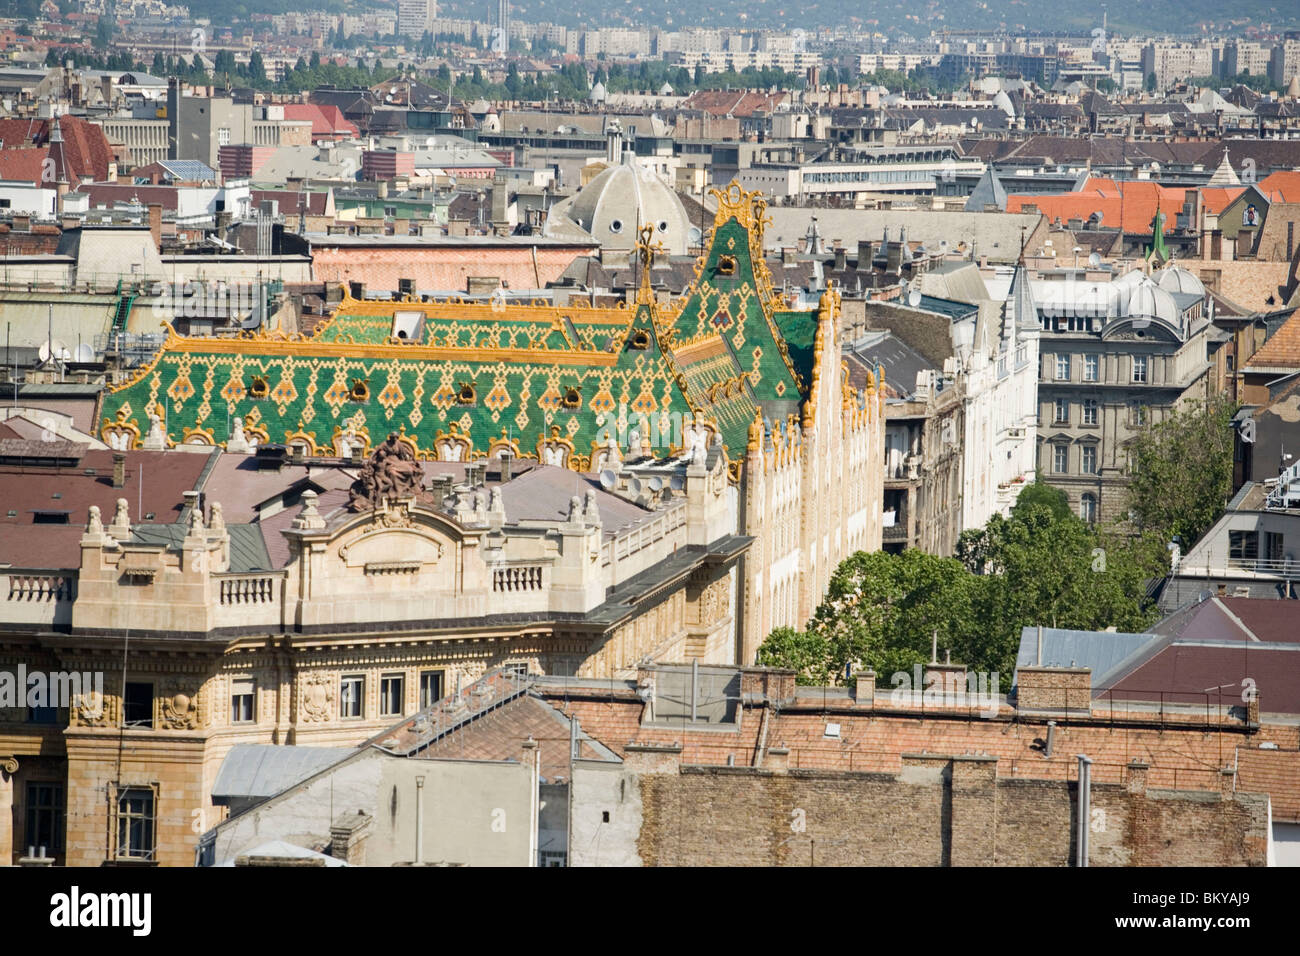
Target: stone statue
95, 525
391, 473
238, 441
217, 518
121, 519
155, 440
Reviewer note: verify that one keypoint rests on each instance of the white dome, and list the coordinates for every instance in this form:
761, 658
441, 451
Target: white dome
617, 201
1177, 279
1003, 102
1150, 301
665, 90
598, 93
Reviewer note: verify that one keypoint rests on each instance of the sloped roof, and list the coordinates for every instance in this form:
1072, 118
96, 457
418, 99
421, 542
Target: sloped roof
1281, 351
534, 372
252, 771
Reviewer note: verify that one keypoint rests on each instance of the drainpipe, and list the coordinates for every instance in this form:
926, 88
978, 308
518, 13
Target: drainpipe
419, 820
1085, 807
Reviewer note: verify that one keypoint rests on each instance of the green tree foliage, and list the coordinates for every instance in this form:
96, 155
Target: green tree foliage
1042, 565
1040, 493
1182, 470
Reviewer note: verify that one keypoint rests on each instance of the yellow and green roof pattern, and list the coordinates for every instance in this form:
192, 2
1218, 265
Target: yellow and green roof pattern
484, 375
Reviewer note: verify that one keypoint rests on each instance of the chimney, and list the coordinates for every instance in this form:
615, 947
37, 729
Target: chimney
474, 473
865, 252
357, 290
119, 469
155, 224
506, 458
22, 223
841, 260
864, 687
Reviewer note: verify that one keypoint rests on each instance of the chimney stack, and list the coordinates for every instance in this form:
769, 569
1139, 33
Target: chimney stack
506, 458
119, 469
155, 224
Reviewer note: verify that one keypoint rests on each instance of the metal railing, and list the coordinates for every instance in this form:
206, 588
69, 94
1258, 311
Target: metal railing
1278, 567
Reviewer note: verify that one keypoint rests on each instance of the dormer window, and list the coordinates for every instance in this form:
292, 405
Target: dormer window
572, 397
727, 265
640, 340
257, 388
359, 392
466, 395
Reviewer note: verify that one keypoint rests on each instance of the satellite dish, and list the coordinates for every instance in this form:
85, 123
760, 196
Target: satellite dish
634, 486
608, 480
54, 350
914, 298
676, 482
1094, 260
656, 483
694, 235
85, 352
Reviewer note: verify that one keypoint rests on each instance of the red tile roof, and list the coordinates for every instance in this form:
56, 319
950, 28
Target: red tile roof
85, 146
158, 479
1131, 203
1282, 350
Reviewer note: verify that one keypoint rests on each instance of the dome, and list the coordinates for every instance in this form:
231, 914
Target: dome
1150, 301
612, 205
665, 90
598, 93
1003, 102
1177, 279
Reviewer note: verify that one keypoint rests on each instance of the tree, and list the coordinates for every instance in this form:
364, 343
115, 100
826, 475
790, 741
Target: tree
1039, 566
1182, 470
256, 69
159, 67
1038, 493
315, 60
1151, 82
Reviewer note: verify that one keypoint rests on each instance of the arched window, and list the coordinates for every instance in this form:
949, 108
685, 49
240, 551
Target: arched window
1088, 508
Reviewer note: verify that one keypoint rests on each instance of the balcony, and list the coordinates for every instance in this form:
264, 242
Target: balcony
42, 599
1287, 568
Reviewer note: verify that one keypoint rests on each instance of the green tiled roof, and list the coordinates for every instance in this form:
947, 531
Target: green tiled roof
484, 373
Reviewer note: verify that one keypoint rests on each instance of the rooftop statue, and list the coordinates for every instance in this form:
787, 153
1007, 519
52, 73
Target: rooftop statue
390, 473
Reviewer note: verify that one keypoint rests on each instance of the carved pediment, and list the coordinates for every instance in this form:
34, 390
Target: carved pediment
380, 546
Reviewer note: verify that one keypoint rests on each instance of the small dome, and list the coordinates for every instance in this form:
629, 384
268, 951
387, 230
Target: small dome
1150, 301
598, 93
1003, 102
665, 90
1177, 279
612, 205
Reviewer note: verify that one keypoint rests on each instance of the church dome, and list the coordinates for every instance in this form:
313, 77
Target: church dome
617, 201
598, 93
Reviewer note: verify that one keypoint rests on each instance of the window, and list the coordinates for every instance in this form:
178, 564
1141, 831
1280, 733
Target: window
1063, 368
517, 668
242, 696
430, 688
1090, 411
42, 715
1273, 548
135, 823
1140, 368
223, 136
1060, 459
1061, 413
350, 691
1243, 545
1088, 508
1139, 414
1090, 368
390, 212
1089, 459
46, 816
392, 695
138, 705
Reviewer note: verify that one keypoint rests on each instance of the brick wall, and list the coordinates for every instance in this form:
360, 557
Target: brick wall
1054, 689
938, 809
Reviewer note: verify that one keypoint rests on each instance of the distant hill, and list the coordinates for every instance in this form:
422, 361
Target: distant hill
894, 17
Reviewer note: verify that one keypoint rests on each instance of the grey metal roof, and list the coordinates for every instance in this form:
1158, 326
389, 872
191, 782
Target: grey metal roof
263, 770
1100, 651
188, 169
248, 551
900, 361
